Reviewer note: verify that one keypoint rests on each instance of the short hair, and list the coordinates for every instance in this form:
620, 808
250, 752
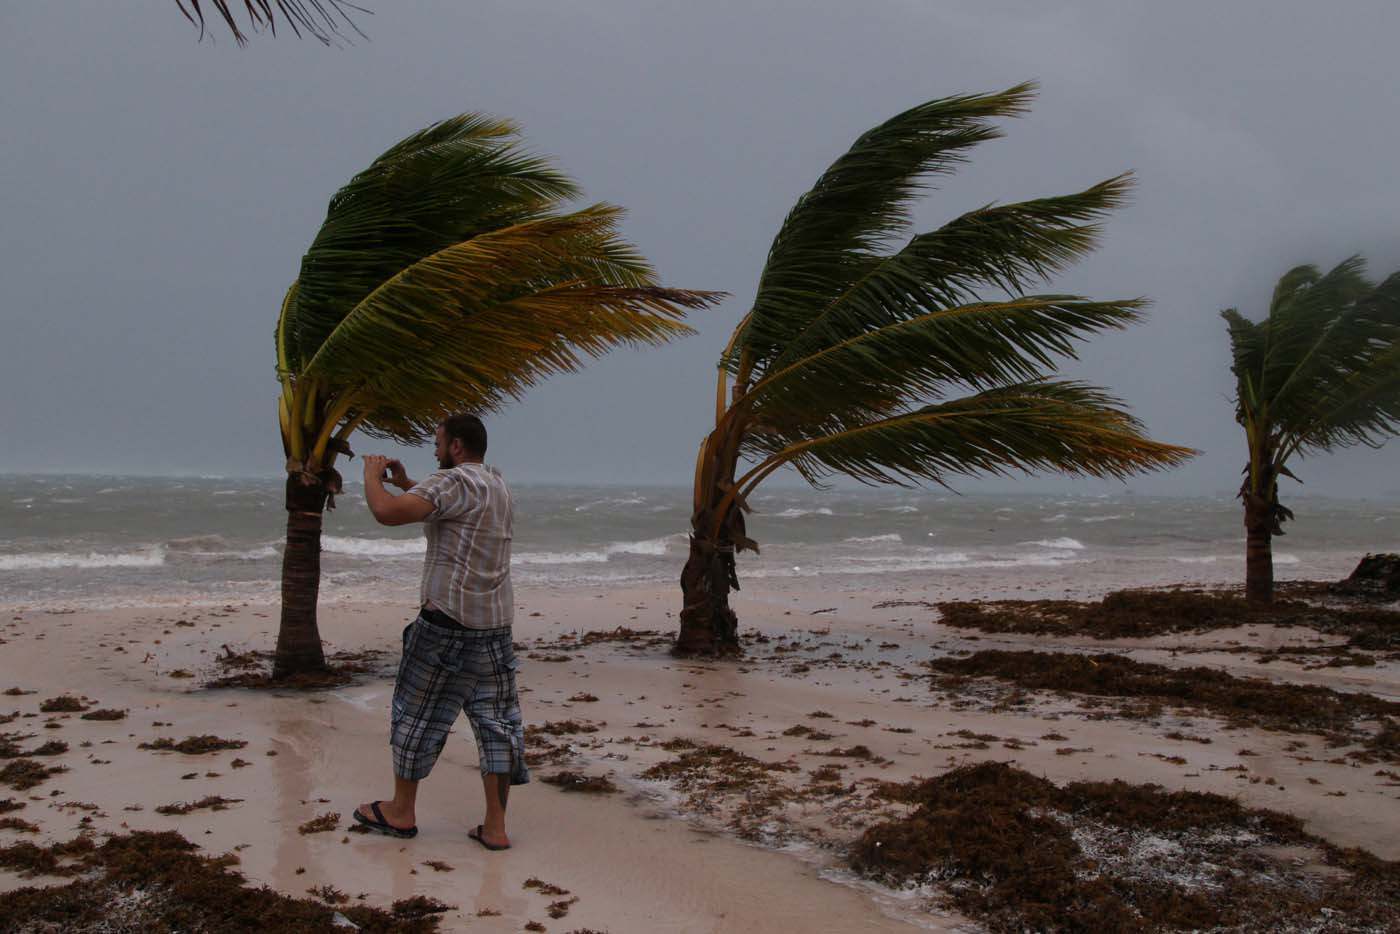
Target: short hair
467, 429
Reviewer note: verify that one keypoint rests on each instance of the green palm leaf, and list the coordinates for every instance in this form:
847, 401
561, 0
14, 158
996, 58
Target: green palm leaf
440, 186
481, 321
1009, 247
981, 345
858, 205
1059, 426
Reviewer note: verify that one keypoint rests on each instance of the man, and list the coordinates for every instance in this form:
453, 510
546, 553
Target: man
457, 654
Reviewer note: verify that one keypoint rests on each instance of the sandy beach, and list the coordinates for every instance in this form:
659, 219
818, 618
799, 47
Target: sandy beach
832, 680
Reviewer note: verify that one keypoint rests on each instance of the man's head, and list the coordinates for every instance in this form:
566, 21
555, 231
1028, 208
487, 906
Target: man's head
461, 439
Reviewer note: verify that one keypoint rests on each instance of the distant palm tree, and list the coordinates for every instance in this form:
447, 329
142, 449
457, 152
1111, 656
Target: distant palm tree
1321, 372
890, 367
443, 279
321, 19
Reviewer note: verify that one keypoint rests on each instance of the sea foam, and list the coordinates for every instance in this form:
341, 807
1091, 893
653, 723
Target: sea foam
47, 560
1065, 544
374, 547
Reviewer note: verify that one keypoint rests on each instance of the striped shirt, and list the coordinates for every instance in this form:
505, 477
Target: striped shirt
466, 573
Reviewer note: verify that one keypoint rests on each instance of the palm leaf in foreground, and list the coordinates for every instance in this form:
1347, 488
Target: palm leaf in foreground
445, 279
321, 19
1321, 372
896, 367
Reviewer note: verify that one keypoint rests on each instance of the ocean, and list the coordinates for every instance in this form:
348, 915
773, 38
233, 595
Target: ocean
94, 541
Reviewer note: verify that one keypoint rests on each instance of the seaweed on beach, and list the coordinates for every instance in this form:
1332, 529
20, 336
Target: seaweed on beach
106, 714
23, 774
1144, 613
576, 781
1243, 701
710, 774
1018, 852
321, 823
64, 703
211, 802
194, 745
253, 670
18, 824
157, 882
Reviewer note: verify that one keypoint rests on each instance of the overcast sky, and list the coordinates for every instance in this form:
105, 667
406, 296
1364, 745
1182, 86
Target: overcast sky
157, 194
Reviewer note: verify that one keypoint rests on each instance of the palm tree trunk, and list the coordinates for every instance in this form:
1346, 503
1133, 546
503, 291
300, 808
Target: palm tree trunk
1258, 550
298, 640
708, 625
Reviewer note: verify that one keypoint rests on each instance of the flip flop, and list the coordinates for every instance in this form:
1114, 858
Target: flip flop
379, 825
477, 836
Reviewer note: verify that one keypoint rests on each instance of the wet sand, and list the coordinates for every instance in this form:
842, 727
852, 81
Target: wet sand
656, 856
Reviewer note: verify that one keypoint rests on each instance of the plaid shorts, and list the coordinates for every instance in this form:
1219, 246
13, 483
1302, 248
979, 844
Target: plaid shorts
443, 672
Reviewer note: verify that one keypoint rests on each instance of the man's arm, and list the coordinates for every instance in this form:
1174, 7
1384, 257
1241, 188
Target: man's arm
387, 508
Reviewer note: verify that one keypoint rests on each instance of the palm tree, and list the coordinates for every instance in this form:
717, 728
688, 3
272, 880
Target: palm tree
1321, 372
443, 279
321, 19
887, 366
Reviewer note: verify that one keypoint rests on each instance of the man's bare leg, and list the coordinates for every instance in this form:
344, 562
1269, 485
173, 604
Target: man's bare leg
400, 811
497, 789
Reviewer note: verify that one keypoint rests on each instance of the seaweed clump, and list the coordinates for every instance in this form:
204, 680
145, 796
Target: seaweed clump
1246, 701
23, 774
1018, 852
156, 882
576, 781
1143, 613
64, 703
194, 745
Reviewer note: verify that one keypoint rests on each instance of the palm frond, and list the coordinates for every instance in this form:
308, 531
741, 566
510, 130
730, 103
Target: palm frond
320, 19
479, 322
1059, 426
1306, 334
1322, 371
436, 188
859, 204
980, 345
1008, 247
1247, 353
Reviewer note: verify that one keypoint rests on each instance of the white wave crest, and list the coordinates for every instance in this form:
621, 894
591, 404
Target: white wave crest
873, 539
611, 501
44, 560
1088, 519
650, 546
899, 509
374, 547
1067, 544
797, 513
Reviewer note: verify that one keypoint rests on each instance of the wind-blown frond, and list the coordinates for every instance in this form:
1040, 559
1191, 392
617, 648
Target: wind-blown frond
859, 204
481, 321
1305, 338
436, 188
321, 19
1323, 369
1247, 352
981, 346
1030, 427
1009, 247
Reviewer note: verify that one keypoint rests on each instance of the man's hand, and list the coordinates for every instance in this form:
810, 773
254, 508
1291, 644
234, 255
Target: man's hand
386, 508
375, 466
397, 475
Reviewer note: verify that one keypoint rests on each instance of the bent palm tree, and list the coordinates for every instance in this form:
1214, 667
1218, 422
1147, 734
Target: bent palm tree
1321, 372
888, 367
443, 279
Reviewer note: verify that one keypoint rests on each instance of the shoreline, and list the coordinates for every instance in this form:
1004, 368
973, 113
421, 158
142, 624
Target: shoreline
655, 856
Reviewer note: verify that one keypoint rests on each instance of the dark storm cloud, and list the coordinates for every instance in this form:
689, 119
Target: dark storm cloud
158, 193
